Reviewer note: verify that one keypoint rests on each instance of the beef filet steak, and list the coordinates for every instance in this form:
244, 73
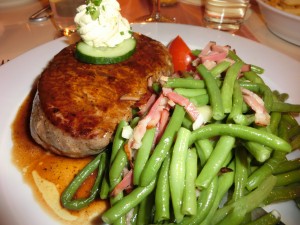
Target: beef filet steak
78, 106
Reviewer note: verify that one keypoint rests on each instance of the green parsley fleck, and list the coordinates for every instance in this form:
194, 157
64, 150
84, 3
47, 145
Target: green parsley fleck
97, 2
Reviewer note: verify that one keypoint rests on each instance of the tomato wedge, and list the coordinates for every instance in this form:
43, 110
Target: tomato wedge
181, 55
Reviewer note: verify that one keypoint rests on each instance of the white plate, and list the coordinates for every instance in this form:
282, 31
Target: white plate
283, 24
17, 205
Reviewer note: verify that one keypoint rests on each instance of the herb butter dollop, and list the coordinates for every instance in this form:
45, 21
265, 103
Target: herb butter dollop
100, 23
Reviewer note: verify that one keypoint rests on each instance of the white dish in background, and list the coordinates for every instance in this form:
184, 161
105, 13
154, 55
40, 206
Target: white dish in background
281, 23
18, 206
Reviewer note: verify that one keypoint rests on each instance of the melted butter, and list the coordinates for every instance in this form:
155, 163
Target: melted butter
48, 174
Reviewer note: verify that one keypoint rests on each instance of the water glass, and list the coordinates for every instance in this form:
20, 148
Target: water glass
225, 15
64, 12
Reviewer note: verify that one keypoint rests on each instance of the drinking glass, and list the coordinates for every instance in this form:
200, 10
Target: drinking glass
225, 15
156, 15
64, 12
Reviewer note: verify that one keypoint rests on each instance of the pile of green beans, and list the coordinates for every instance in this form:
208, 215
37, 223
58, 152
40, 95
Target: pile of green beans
183, 178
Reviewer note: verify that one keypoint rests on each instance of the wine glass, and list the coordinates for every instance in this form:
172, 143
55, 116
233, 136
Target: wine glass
155, 15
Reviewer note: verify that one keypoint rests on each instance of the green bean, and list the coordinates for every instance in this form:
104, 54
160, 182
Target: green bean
135, 213
288, 178
163, 147
105, 189
117, 167
67, 195
204, 204
187, 122
261, 89
248, 202
282, 97
128, 202
213, 92
162, 193
259, 175
243, 132
293, 131
184, 83
156, 87
234, 218
219, 68
260, 152
121, 220
257, 69
177, 171
190, 92
215, 161
145, 210
246, 108
204, 149
232, 55
200, 100
227, 160
274, 122
287, 166
290, 119
228, 85
196, 52
295, 143
271, 218
241, 173
235, 57
280, 194
143, 154
134, 121
237, 102
244, 120
114, 199
285, 107
283, 130
189, 202
118, 140
253, 77
226, 180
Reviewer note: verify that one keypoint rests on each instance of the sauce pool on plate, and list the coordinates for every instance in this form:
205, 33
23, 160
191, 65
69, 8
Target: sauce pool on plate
48, 174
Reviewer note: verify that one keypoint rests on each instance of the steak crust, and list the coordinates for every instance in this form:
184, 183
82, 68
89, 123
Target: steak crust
78, 106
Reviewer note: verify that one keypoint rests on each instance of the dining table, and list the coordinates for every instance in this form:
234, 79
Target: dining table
18, 34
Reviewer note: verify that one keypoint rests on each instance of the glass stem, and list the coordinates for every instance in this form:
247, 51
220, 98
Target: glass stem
156, 9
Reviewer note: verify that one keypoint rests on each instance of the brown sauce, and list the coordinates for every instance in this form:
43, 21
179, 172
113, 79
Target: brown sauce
48, 174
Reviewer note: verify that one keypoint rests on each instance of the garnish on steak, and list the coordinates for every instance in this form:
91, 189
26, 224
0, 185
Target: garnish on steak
77, 105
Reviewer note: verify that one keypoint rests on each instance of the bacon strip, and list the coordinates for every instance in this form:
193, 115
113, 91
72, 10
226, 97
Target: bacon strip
126, 182
161, 126
213, 52
256, 103
149, 121
146, 107
180, 100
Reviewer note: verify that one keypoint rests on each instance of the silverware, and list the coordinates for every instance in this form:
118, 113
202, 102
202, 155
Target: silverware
41, 15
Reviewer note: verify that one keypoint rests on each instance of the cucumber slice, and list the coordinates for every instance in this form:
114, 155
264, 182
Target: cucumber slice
105, 55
